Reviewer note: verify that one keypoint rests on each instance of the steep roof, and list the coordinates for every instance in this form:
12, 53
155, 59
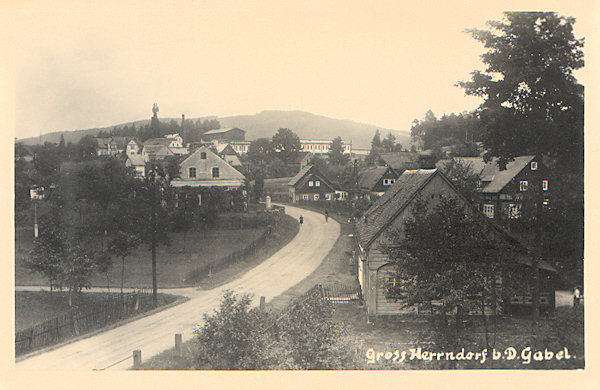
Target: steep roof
221, 131
226, 171
492, 178
300, 175
370, 177
393, 201
120, 141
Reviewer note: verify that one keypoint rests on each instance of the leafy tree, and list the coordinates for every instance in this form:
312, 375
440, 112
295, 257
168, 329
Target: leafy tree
449, 130
449, 254
48, 250
532, 102
374, 155
259, 184
121, 245
77, 268
231, 338
86, 148
260, 151
152, 214
336, 154
462, 176
389, 143
287, 145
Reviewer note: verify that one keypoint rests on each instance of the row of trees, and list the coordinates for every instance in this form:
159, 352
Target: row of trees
378, 146
98, 210
191, 130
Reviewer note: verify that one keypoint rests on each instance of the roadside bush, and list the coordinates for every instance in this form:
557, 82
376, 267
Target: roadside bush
304, 337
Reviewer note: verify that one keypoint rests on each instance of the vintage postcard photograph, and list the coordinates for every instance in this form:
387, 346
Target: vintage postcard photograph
298, 187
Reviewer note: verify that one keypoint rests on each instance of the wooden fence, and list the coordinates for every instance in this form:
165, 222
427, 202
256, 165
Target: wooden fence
340, 293
81, 321
240, 255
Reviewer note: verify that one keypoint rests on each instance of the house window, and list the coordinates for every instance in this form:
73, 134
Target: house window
316, 196
488, 210
388, 182
514, 211
305, 197
203, 155
215, 172
523, 185
534, 166
310, 183
328, 196
545, 185
317, 183
192, 172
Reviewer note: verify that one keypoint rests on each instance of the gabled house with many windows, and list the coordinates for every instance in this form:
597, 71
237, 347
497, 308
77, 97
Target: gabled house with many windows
310, 185
390, 213
501, 191
204, 168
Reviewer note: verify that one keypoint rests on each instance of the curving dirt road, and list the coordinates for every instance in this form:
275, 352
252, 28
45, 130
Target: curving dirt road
155, 333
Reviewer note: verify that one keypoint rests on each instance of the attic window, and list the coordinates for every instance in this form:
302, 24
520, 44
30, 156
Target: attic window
317, 183
192, 172
203, 155
534, 165
310, 183
215, 172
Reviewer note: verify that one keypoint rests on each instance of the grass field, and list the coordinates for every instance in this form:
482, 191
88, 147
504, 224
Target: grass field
34, 307
172, 261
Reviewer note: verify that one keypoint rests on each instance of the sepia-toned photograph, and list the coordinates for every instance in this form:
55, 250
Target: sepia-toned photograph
299, 186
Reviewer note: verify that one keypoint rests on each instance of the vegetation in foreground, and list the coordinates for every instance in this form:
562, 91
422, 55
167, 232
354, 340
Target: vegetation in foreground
317, 335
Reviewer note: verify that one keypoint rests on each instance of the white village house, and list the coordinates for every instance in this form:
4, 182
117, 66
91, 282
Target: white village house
204, 168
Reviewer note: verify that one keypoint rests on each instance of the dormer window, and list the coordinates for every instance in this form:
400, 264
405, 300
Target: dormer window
534, 165
203, 155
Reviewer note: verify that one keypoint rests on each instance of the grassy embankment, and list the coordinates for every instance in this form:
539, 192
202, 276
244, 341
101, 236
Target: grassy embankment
173, 262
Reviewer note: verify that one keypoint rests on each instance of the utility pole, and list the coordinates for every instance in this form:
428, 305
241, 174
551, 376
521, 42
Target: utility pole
35, 221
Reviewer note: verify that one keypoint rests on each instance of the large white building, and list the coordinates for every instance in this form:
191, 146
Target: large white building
320, 146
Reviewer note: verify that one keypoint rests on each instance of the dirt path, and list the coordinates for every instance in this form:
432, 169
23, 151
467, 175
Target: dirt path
155, 333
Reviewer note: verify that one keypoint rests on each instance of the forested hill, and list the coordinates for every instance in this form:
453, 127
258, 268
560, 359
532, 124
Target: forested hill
308, 125
263, 124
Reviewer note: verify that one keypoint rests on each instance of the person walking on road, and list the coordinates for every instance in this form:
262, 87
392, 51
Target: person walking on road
301, 220
326, 215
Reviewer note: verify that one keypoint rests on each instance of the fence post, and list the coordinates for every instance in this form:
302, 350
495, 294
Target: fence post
262, 303
178, 344
137, 359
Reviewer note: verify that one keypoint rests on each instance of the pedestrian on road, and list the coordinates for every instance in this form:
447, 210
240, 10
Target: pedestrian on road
301, 220
326, 215
576, 296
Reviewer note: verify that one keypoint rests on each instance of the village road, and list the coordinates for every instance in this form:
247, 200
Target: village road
155, 333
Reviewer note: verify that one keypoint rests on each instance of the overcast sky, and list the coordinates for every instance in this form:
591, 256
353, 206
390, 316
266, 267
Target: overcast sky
384, 63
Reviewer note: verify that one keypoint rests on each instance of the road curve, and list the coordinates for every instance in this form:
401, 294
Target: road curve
155, 333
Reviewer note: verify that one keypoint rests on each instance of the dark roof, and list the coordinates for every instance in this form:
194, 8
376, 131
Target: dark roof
401, 161
385, 210
393, 201
492, 178
300, 175
158, 141
370, 177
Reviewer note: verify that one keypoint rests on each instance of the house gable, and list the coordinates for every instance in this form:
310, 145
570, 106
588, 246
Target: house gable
204, 167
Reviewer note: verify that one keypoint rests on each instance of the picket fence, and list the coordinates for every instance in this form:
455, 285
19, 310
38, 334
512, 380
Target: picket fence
81, 320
